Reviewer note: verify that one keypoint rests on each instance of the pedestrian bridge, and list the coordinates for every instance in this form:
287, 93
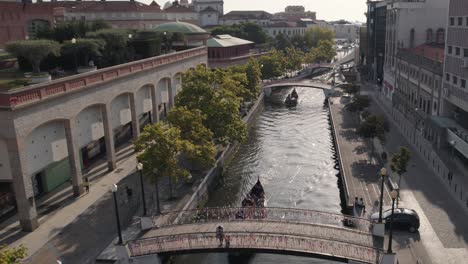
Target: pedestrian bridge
269, 87
260, 230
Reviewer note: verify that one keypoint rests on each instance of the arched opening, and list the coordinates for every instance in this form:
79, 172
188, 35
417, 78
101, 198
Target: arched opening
89, 135
429, 36
177, 80
164, 92
144, 105
47, 157
440, 36
121, 120
412, 36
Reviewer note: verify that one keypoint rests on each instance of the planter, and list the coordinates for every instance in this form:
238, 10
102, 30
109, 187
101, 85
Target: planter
86, 69
40, 78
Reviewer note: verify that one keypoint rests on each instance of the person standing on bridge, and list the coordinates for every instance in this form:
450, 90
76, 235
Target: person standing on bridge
220, 234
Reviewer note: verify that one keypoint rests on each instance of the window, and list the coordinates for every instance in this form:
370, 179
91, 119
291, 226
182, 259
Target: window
447, 77
450, 49
463, 83
452, 21
412, 33
457, 51
429, 36
465, 53
440, 36
467, 21
455, 80
460, 21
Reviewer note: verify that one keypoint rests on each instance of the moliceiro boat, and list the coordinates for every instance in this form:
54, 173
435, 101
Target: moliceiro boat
292, 98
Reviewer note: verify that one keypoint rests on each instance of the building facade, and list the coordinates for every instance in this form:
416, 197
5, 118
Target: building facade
376, 33
261, 18
407, 24
288, 29
294, 13
54, 132
455, 87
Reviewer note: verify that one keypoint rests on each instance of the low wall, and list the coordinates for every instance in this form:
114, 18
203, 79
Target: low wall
201, 193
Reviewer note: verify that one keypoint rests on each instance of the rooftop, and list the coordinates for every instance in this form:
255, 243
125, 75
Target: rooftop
253, 14
226, 41
180, 27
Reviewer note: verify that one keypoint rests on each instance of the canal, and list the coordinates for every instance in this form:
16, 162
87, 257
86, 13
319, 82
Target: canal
291, 150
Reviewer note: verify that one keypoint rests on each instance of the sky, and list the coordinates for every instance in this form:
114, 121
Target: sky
351, 10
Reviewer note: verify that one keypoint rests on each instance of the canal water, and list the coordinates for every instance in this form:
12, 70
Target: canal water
291, 150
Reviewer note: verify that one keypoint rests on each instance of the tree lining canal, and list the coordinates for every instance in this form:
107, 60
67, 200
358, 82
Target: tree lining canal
291, 150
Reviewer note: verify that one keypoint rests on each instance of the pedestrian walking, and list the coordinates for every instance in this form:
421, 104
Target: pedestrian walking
86, 184
220, 234
363, 206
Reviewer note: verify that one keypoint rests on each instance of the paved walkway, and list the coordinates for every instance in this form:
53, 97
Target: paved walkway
360, 169
443, 232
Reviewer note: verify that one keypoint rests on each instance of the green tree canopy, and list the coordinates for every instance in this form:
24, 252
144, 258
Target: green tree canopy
159, 147
71, 29
374, 127
116, 48
358, 103
190, 124
254, 75
84, 49
248, 31
399, 161
282, 42
314, 35
12, 255
272, 65
212, 94
298, 41
323, 52
34, 51
295, 58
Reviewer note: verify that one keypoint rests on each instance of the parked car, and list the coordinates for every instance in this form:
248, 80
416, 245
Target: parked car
403, 219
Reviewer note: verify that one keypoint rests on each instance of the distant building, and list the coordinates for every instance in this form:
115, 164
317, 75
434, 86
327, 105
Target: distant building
294, 13
346, 31
261, 18
226, 50
376, 32
288, 29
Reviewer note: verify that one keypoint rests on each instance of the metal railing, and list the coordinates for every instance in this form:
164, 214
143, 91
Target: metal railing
260, 241
290, 215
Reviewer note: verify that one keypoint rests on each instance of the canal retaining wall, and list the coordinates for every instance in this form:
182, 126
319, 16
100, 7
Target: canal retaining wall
200, 195
344, 188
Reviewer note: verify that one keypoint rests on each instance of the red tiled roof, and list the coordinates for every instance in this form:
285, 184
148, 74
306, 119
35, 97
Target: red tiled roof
111, 6
430, 51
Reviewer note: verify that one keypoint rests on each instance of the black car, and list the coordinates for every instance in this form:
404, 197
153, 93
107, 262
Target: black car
404, 219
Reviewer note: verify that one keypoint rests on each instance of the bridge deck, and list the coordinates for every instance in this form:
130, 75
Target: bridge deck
332, 241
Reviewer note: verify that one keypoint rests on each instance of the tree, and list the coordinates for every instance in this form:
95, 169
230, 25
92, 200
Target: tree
314, 35
399, 164
190, 124
351, 88
12, 255
159, 147
295, 58
248, 31
299, 42
254, 75
116, 49
212, 94
282, 42
83, 49
323, 52
34, 51
373, 127
358, 103
272, 65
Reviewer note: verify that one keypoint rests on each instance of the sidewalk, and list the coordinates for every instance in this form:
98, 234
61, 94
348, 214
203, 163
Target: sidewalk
443, 234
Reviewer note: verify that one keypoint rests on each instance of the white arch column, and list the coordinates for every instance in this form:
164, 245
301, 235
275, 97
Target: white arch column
74, 157
109, 138
135, 120
170, 92
22, 185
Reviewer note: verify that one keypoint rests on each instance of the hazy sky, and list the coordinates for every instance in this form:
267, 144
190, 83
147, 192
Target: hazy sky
326, 9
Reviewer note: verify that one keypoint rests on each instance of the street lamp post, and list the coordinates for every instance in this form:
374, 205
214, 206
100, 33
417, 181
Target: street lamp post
166, 50
453, 143
114, 193
158, 207
140, 169
394, 195
383, 173
73, 41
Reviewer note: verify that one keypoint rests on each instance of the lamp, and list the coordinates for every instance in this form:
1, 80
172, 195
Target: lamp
158, 207
73, 40
114, 193
393, 195
383, 173
139, 167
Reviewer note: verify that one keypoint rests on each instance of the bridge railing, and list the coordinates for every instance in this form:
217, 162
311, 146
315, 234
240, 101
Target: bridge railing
216, 214
243, 240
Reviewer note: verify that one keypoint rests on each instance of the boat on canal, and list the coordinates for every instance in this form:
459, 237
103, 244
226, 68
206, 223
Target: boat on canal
292, 99
256, 196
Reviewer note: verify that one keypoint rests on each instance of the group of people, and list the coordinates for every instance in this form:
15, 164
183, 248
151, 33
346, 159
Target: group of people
359, 204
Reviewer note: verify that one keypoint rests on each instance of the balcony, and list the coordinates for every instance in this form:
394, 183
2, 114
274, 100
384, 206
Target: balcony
458, 138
